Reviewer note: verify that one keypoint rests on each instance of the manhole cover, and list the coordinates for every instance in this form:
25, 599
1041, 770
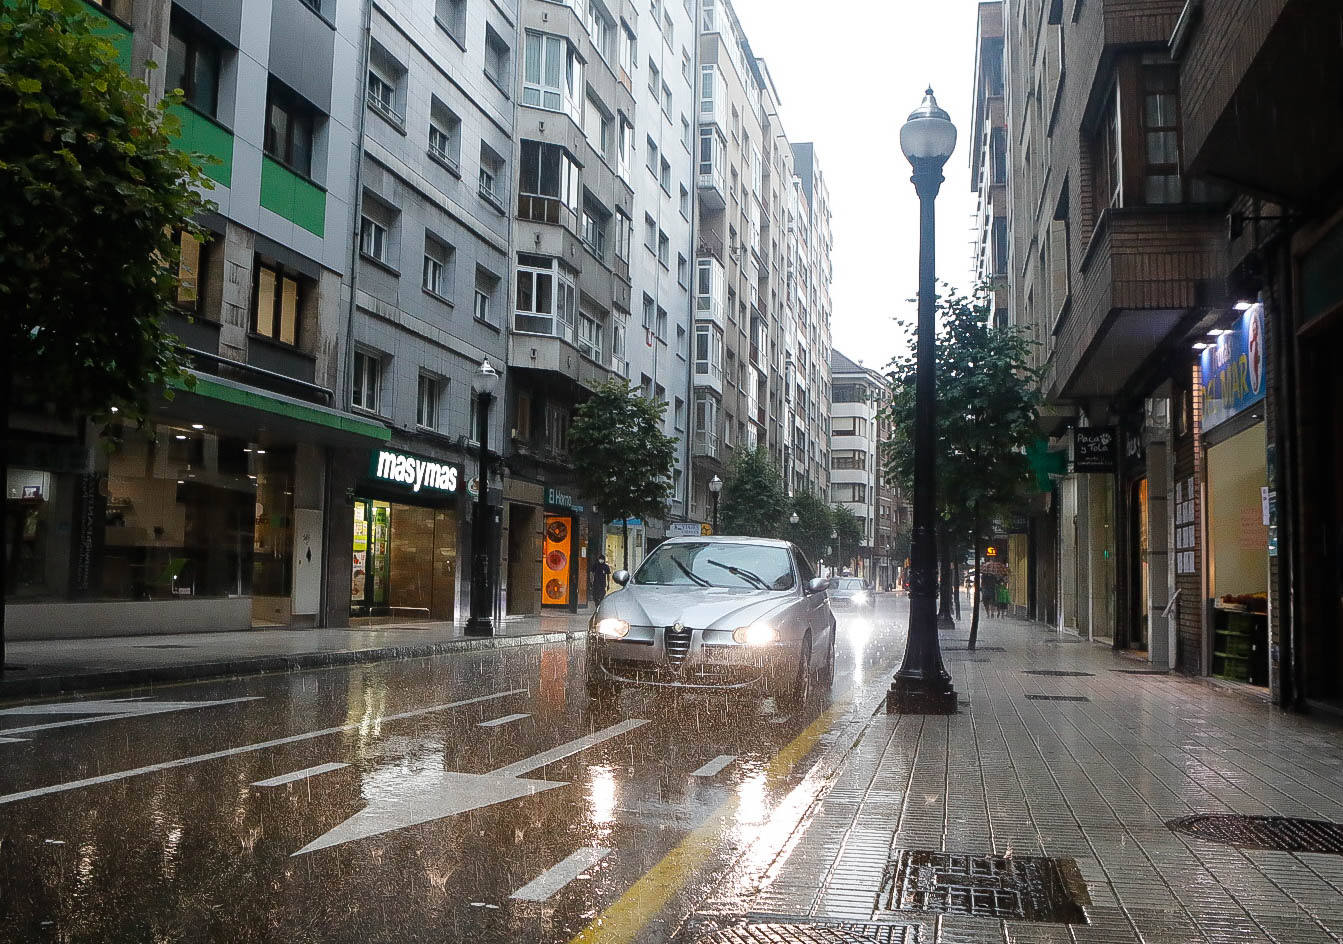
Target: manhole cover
1279, 833
1143, 671
1058, 698
1031, 888
788, 930
1058, 673
167, 645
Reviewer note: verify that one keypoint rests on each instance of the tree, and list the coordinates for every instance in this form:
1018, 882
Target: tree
814, 524
92, 190
753, 499
988, 398
849, 534
621, 456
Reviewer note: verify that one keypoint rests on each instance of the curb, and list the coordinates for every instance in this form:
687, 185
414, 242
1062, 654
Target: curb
16, 686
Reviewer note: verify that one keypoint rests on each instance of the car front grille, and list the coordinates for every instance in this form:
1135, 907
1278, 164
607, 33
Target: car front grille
678, 644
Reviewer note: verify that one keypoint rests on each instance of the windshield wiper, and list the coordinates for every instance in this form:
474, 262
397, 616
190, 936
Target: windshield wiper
694, 578
740, 572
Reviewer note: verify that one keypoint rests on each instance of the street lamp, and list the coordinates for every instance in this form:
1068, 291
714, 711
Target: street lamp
793, 519
922, 685
839, 551
482, 594
715, 486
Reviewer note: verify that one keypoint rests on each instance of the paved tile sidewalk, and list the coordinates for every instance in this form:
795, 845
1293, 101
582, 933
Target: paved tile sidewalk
1093, 780
60, 665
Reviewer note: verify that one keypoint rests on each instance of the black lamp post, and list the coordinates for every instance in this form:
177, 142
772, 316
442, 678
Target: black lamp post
715, 486
839, 552
922, 685
481, 622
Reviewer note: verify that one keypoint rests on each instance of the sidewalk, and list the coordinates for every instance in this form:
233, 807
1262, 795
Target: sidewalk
51, 666
1062, 750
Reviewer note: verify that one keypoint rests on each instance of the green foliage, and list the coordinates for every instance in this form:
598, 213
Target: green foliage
621, 456
987, 403
91, 189
814, 524
849, 534
753, 501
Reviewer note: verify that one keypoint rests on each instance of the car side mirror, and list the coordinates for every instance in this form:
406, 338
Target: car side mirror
621, 577
817, 585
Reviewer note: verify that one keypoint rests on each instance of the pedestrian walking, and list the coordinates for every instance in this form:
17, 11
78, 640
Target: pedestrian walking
601, 571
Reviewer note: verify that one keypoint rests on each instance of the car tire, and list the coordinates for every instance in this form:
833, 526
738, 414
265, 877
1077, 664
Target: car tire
794, 689
828, 670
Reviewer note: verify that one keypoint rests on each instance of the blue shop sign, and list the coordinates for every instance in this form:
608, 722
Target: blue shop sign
1233, 369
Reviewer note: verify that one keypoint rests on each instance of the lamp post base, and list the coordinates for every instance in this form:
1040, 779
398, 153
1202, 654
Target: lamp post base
946, 624
916, 696
479, 626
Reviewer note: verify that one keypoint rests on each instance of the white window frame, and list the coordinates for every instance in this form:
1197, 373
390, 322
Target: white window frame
373, 241
540, 66
366, 387
435, 387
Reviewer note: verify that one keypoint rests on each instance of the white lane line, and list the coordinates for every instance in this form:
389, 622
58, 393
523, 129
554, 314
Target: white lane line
715, 766
557, 876
504, 720
4, 740
114, 712
246, 748
303, 774
536, 761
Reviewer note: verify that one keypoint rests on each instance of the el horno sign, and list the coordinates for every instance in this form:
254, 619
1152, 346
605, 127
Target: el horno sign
415, 473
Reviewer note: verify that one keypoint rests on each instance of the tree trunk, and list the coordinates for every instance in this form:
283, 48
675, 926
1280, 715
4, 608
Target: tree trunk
956, 585
625, 526
944, 618
6, 388
979, 552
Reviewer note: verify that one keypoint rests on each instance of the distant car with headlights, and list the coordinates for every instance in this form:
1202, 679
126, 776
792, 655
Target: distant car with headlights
850, 593
715, 612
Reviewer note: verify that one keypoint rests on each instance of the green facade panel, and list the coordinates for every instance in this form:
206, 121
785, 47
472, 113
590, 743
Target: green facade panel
115, 32
297, 200
200, 135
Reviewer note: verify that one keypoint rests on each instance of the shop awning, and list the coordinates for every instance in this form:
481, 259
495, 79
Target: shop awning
215, 402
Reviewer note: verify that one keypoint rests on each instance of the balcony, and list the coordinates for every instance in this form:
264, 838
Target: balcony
706, 445
709, 304
711, 176
709, 376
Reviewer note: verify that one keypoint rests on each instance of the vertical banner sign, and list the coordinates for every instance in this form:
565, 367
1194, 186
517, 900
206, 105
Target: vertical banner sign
1186, 533
1233, 369
1094, 449
556, 550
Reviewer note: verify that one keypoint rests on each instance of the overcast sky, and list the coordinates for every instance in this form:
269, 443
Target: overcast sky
849, 73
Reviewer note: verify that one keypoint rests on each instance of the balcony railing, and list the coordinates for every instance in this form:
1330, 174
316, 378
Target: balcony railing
706, 444
543, 209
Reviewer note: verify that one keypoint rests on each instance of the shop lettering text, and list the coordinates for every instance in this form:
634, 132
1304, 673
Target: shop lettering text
417, 473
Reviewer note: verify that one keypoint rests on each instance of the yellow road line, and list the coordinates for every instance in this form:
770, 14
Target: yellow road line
624, 918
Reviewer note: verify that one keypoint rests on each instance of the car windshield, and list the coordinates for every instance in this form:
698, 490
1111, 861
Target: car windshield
718, 564
849, 584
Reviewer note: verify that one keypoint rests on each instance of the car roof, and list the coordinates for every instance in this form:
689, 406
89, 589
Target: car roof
727, 539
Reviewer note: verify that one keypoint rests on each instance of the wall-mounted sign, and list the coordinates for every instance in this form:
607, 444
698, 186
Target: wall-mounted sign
555, 497
688, 529
386, 465
1233, 369
1094, 449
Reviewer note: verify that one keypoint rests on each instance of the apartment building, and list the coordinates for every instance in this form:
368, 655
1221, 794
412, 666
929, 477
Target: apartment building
857, 395
762, 331
212, 517
428, 295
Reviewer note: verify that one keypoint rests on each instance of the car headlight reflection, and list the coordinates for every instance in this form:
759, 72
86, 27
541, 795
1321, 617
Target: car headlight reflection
757, 634
860, 598
612, 628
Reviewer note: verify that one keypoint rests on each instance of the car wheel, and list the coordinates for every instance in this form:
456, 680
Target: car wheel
828, 671
794, 691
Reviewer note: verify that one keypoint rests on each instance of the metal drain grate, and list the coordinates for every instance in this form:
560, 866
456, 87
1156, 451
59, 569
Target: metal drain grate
789, 930
1031, 888
1058, 698
1142, 671
1058, 673
1278, 833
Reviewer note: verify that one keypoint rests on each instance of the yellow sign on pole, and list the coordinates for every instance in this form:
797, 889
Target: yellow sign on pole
706, 529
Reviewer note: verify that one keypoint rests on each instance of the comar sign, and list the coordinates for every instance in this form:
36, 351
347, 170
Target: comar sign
390, 466
1234, 369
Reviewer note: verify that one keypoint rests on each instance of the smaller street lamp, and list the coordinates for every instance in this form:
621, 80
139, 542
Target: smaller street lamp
793, 518
715, 486
486, 382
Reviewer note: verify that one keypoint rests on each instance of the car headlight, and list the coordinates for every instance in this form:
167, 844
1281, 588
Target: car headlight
860, 598
612, 628
757, 634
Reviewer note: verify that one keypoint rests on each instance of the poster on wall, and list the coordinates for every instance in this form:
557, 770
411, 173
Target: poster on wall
1233, 369
556, 550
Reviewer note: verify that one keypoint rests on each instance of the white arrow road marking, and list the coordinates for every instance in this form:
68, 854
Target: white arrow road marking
12, 740
434, 794
562, 873
246, 748
504, 720
303, 774
106, 710
715, 766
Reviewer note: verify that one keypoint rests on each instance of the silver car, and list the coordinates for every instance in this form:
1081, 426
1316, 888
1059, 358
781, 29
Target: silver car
850, 593
715, 612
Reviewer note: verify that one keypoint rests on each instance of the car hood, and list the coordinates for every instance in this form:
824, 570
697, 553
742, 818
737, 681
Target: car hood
696, 607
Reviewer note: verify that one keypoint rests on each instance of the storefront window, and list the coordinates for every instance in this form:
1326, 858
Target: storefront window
404, 561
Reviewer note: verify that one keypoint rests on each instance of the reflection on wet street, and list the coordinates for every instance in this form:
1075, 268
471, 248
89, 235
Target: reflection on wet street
471, 797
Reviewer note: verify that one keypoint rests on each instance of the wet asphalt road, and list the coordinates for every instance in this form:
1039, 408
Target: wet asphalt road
470, 797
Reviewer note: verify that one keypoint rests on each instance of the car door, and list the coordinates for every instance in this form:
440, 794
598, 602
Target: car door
814, 607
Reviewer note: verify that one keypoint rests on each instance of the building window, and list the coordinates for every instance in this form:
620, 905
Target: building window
548, 185
1161, 135
377, 235
651, 161
596, 220
685, 63
627, 47
487, 284
682, 344
445, 136
649, 308
193, 64
289, 129
545, 297
666, 101
597, 127
367, 384
426, 402
685, 202
618, 345
451, 17
589, 339
650, 233
277, 298
682, 271
624, 235
664, 176
491, 176
661, 328
1106, 157
687, 141
664, 250
552, 75
438, 257
678, 414
601, 28
654, 78
381, 94
496, 59
626, 155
